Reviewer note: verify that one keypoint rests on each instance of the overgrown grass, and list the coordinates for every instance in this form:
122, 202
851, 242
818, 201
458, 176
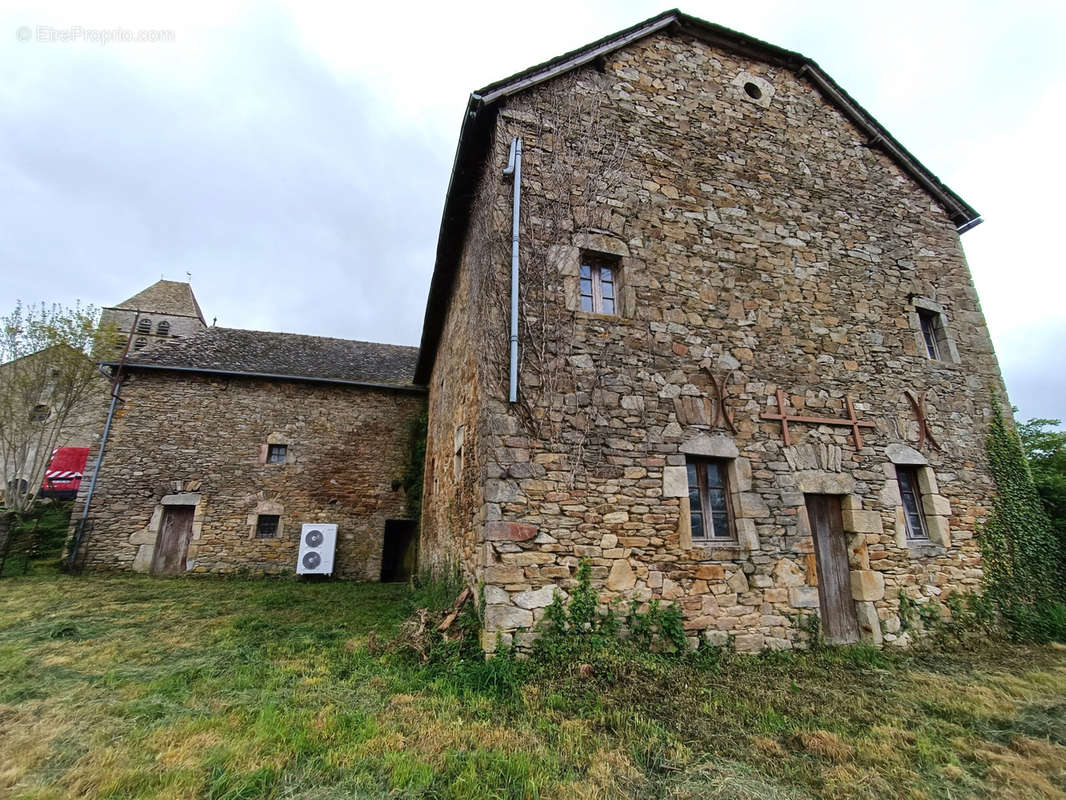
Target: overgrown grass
129, 687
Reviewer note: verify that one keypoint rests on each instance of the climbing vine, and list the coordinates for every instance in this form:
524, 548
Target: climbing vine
414, 469
562, 139
1018, 544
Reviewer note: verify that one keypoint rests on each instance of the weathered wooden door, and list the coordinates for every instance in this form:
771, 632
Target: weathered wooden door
839, 625
172, 546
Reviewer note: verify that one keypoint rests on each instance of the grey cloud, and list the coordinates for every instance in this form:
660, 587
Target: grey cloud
291, 197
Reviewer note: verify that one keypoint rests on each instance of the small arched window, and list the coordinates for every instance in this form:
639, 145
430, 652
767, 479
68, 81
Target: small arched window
140, 343
144, 326
163, 328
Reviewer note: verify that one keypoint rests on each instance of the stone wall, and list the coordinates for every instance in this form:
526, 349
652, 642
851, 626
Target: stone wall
761, 246
199, 440
121, 319
453, 506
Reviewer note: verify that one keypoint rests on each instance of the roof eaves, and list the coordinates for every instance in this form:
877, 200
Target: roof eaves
575, 58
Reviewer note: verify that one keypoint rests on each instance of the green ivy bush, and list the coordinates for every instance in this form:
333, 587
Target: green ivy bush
1020, 550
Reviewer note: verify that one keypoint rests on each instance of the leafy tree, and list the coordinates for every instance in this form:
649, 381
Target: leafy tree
47, 379
1045, 447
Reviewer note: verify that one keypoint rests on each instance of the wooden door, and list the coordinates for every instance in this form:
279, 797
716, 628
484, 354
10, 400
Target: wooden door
172, 546
839, 625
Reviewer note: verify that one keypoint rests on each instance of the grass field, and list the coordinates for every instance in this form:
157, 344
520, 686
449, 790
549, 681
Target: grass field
130, 687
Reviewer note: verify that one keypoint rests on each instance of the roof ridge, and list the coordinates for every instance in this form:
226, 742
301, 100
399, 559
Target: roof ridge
305, 336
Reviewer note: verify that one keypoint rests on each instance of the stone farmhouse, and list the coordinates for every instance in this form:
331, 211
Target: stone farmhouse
695, 317
227, 440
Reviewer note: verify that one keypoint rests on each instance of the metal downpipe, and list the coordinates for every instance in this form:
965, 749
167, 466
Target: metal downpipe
116, 386
514, 169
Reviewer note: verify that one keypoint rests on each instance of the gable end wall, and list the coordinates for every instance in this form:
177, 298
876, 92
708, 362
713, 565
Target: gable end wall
763, 243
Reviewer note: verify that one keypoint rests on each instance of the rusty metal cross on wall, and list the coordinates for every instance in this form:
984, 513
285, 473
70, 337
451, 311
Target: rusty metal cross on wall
852, 421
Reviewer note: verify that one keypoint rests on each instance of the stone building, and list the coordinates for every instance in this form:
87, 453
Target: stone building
237, 438
750, 376
165, 310
753, 377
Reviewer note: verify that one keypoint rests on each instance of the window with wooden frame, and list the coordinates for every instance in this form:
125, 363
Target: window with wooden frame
933, 334
710, 506
911, 494
598, 285
266, 526
276, 453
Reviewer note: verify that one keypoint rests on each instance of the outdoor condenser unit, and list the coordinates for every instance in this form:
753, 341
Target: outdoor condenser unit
317, 543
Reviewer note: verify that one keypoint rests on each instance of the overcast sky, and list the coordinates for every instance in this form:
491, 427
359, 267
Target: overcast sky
294, 159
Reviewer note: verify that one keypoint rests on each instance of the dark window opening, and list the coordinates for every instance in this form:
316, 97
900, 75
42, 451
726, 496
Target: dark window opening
933, 334
753, 91
266, 526
144, 326
598, 287
911, 494
163, 328
140, 343
709, 503
276, 453
40, 413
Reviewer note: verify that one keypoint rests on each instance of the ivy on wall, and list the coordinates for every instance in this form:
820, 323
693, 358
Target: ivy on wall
414, 470
1018, 544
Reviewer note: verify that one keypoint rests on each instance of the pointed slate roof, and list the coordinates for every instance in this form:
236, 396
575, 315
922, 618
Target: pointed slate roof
175, 298
476, 131
290, 356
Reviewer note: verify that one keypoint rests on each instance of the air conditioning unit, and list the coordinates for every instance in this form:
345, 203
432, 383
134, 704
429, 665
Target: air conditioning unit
317, 543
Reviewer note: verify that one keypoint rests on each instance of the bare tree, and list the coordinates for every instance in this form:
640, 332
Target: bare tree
48, 378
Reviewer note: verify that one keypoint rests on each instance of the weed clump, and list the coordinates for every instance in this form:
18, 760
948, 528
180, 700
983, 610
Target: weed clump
582, 631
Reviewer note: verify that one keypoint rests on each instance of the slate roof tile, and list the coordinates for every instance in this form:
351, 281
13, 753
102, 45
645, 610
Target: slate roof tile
238, 351
165, 297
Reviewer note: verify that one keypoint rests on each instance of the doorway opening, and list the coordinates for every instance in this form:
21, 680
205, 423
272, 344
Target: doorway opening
839, 623
172, 544
398, 551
